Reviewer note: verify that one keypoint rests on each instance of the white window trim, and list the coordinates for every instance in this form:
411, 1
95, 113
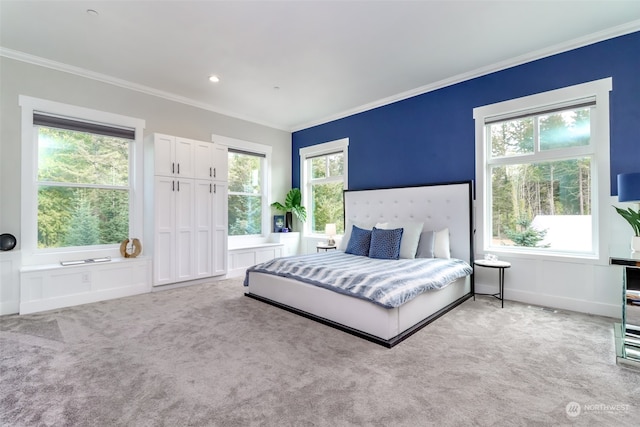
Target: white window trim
600, 134
31, 255
266, 150
314, 151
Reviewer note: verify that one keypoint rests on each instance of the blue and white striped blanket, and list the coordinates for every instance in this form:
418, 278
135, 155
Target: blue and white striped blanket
389, 283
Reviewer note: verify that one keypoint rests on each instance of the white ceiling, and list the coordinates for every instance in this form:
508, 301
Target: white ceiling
293, 64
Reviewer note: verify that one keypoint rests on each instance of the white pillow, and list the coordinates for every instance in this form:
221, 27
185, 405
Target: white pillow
425, 247
441, 244
347, 233
410, 236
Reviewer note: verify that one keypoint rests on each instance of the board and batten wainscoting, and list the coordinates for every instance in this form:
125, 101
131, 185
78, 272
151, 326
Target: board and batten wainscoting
10, 282
48, 287
246, 254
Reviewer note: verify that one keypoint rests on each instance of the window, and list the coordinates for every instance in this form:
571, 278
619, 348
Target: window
82, 180
324, 177
248, 212
246, 187
539, 161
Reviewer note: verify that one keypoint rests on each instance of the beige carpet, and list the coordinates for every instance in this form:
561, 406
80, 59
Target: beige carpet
207, 355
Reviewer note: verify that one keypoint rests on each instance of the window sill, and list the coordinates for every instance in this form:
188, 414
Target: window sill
251, 246
575, 258
58, 266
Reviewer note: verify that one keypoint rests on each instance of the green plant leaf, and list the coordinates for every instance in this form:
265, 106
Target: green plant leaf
278, 206
293, 199
292, 203
300, 212
632, 217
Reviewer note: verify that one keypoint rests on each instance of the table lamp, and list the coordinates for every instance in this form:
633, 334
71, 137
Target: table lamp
330, 230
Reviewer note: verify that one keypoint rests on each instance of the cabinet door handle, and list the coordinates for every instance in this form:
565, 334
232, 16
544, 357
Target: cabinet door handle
209, 188
173, 167
210, 175
178, 168
173, 186
214, 188
214, 172
178, 185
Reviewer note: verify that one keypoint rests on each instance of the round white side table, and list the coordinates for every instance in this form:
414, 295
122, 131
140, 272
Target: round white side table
501, 266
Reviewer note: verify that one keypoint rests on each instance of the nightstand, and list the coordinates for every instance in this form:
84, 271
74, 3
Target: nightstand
627, 333
325, 247
501, 266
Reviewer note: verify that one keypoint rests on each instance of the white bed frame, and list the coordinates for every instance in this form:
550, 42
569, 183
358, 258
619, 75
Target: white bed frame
438, 206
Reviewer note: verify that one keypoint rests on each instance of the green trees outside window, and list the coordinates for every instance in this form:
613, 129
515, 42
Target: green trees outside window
83, 188
326, 185
526, 188
245, 193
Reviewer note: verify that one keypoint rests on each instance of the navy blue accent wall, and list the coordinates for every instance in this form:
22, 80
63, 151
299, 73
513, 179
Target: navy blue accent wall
430, 138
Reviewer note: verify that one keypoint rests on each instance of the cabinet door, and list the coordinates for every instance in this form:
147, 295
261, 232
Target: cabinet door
165, 237
203, 160
220, 162
185, 256
203, 210
184, 158
163, 154
219, 228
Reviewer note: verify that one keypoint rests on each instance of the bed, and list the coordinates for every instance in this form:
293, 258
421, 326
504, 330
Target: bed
444, 209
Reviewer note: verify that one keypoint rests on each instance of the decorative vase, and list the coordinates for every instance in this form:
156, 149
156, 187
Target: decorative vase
288, 221
635, 244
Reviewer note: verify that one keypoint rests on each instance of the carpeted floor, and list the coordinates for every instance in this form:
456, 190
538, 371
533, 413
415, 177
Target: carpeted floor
206, 355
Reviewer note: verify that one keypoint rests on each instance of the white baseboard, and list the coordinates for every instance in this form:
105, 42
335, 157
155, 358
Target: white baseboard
554, 301
168, 286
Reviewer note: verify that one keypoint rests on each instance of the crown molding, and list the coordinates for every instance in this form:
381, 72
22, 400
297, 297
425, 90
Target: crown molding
593, 38
610, 33
81, 72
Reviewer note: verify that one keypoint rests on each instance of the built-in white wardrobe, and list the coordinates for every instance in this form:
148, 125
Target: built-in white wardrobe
185, 208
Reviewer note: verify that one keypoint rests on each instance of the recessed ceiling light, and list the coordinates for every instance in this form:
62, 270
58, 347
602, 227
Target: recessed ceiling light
214, 78
92, 12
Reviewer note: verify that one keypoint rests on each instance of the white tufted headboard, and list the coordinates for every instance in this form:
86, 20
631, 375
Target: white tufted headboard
438, 206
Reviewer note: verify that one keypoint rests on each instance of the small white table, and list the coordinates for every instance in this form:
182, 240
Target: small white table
325, 247
501, 266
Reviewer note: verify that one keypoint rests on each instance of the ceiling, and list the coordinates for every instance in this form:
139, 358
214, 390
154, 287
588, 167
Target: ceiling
294, 64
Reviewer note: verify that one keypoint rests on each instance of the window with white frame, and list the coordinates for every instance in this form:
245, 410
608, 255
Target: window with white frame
324, 177
542, 166
246, 192
82, 178
248, 185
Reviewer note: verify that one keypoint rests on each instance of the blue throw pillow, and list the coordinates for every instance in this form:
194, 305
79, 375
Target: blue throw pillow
385, 244
359, 242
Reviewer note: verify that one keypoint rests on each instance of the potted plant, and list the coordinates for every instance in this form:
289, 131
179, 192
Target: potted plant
633, 218
292, 204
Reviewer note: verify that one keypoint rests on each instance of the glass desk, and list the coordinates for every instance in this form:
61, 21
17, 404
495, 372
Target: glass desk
628, 332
